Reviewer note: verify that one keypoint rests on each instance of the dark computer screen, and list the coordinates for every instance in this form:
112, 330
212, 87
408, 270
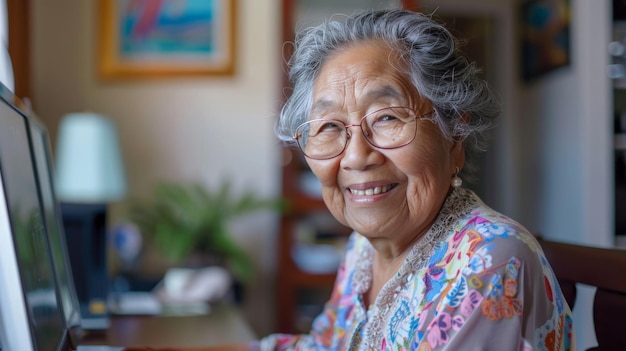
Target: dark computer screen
52, 216
28, 228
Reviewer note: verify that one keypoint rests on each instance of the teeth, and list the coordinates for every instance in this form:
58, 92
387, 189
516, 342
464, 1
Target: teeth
371, 191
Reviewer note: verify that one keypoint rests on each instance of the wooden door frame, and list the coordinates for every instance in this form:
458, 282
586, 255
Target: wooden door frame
18, 14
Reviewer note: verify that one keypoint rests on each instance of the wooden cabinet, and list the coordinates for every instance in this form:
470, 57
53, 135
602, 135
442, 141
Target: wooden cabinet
310, 239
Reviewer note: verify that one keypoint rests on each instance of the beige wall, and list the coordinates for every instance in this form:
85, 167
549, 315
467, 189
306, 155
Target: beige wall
177, 129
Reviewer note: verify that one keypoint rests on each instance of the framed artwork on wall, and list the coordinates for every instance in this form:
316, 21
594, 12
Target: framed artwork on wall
159, 38
545, 36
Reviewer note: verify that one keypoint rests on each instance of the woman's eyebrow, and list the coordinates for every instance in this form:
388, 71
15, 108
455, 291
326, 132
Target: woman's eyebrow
322, 106
385, 93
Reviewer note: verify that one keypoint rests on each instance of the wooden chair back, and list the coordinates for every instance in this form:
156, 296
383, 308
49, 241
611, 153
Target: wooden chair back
603, 268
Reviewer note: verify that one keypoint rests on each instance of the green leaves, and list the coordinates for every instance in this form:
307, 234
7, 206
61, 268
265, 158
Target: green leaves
189, 219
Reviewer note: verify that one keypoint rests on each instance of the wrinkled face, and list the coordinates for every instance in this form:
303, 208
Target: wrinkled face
380, 193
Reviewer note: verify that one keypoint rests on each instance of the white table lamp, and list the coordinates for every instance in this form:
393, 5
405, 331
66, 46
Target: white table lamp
89, 166
89, 174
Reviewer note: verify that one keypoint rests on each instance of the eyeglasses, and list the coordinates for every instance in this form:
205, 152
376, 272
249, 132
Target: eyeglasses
387, 128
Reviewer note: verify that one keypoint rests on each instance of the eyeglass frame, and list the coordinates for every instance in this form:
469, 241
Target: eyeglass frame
296, 137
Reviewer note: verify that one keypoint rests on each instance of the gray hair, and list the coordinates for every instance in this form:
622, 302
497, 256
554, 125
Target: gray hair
465, 106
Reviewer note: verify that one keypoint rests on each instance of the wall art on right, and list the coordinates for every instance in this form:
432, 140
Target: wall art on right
545, 36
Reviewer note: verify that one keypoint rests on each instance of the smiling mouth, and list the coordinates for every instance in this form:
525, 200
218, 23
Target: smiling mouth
372, 191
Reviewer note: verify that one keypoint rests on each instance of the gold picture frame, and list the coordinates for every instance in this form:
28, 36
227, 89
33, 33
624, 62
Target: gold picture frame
161, 38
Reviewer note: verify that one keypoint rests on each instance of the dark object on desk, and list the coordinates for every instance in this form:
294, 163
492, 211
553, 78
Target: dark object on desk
85, 232
599, 267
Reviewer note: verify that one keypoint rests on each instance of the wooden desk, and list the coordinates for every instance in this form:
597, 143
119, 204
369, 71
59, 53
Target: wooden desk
223, 324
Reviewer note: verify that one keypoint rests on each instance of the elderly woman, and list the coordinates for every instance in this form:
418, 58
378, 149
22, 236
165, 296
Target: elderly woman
387, 112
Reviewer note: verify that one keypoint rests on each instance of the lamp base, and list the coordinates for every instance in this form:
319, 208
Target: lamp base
86, 235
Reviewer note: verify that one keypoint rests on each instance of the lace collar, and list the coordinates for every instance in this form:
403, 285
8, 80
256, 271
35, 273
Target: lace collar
458, 204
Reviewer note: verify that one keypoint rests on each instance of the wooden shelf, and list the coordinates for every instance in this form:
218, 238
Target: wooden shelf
306, 279
291, 279
301, 204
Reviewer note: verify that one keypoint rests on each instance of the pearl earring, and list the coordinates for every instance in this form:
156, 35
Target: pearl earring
456, 180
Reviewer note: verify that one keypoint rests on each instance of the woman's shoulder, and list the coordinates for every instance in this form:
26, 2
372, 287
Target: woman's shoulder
485, 239
488, 227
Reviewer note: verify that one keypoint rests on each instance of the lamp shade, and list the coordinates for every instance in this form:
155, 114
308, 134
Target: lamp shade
89, 165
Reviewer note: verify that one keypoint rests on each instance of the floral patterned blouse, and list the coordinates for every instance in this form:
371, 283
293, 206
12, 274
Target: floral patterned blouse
476, 281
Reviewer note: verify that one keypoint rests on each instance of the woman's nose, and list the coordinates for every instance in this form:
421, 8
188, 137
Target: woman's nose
359, 154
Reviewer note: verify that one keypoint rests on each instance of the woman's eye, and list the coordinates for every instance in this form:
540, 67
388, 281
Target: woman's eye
326, 127
329, 126
387, 118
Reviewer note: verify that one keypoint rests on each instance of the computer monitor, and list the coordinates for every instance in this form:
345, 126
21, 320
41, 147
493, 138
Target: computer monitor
24, 227
52, 215
14, 325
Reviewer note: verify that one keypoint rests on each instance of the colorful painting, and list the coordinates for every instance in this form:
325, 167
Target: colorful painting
545, 36
141, 38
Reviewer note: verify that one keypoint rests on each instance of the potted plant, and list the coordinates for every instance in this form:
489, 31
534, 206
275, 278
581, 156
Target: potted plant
189, 224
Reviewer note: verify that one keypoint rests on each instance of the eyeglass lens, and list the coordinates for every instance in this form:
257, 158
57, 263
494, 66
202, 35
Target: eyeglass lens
386, 128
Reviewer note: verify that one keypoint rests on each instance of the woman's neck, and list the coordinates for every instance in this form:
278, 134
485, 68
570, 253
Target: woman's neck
384, 267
